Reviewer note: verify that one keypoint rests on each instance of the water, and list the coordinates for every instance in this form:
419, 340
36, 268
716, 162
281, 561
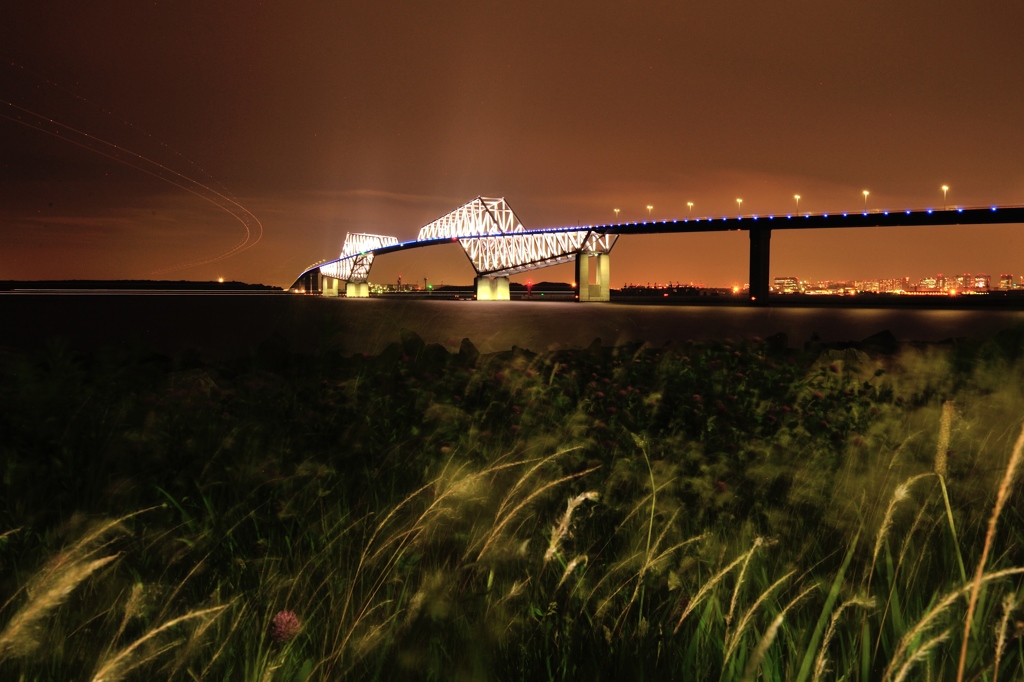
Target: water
221, 325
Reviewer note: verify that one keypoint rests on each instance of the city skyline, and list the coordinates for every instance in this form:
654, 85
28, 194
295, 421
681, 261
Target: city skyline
243, 141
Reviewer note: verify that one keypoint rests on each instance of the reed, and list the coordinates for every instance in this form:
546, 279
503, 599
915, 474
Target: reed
1001, 498
695, 511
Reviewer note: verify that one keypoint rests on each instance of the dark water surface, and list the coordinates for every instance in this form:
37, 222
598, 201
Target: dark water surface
221, 325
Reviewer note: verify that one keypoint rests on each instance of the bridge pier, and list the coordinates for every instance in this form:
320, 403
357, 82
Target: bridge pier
492, 289
760, 253
328, 286
600, 290
357, 290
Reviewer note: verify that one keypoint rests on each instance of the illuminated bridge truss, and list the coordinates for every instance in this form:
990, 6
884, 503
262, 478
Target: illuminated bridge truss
510, 253
356, 256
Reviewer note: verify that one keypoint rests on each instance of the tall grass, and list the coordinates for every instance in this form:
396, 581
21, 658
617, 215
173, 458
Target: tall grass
700, 511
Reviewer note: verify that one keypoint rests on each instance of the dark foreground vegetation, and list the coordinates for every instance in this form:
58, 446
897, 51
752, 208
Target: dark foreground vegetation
729, 510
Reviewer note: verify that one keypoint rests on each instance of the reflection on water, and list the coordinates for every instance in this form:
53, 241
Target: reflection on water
228, 325
495, 326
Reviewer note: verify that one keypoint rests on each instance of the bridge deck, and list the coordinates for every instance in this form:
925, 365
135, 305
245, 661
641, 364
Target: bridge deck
988, 215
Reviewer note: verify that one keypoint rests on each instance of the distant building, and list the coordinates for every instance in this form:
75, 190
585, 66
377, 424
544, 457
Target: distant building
787, 285
1005, 281
982, 282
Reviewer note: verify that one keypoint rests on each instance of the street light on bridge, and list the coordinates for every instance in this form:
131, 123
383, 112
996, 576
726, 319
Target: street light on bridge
649, 209
739, 205
865, 193
689, 205
797, 197
945, 188
616, 214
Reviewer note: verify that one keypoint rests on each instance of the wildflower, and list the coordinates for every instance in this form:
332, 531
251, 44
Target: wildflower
284, 626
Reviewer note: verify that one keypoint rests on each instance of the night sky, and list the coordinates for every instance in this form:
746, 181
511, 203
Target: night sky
241, 139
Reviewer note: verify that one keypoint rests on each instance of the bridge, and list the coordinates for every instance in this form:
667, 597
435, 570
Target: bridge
498, 245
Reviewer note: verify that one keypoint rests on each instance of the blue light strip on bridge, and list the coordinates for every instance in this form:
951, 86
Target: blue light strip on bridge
951, 216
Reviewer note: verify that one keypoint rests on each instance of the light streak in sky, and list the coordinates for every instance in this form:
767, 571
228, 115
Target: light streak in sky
115, 152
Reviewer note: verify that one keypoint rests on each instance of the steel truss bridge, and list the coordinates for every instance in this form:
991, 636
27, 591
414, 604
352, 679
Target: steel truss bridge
498, 245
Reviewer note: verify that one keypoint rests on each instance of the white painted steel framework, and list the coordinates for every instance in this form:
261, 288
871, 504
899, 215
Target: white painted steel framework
356, 256
510, 253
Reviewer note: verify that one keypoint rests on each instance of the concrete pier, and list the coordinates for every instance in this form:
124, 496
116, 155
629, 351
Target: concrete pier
357, 290
600, 289
328, 286
760, 257
492, 289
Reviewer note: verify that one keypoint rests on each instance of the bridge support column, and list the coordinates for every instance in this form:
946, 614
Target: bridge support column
600, 290
328, 286
357, 290
760, 253
492, 289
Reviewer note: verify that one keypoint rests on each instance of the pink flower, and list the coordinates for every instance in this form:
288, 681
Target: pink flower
284, 626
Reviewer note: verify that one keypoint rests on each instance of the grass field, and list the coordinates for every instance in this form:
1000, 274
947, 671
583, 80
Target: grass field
727, 510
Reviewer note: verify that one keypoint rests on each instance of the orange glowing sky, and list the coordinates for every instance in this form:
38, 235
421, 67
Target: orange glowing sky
123, 125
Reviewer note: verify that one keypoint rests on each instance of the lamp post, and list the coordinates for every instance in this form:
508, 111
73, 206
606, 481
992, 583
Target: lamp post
739, 206
865, 193
616, 214
649, 209
689, 204
797, 197
945, 188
